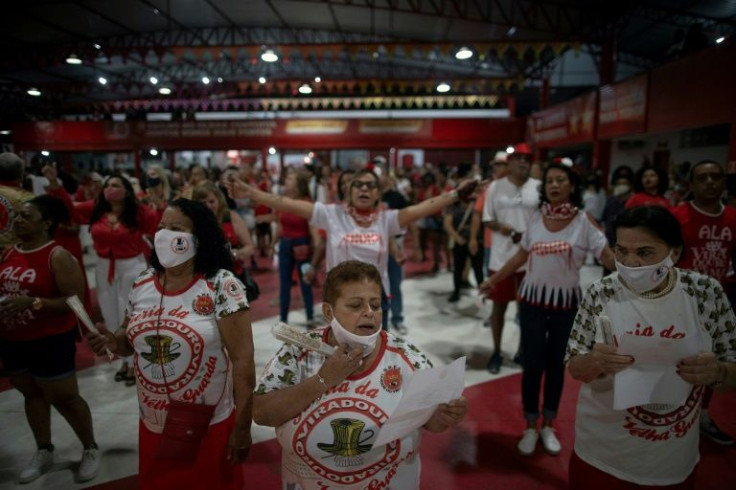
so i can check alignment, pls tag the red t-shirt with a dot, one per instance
(644, 199)
(709, 239)
(293, 226)
(260, 209)
(29, 273)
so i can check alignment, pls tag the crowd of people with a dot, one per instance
(173, 255)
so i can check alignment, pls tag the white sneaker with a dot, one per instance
(42, 461)
(549, 441)
(528, 442)
(90, 464)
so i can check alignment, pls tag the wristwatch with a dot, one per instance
(37, 304)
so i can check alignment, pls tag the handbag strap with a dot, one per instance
(160, 351)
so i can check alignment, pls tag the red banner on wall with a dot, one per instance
(623, 108)
(261, 133)
(568, 123)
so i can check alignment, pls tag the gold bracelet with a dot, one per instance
(322, 380)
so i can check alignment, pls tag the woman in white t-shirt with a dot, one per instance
(554, 247)
(637, 417)
(188, 329)
(328, 410)
(360, 228)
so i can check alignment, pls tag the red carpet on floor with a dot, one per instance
(481, 453)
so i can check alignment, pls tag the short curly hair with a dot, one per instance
(576, 195)
(348, 272)
(213, 251)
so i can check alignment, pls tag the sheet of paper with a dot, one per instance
(653, 377)
(426, 389)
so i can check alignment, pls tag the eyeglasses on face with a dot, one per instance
(361, 184)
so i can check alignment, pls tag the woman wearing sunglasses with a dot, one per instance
(358, 228)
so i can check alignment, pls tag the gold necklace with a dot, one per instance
(668, 287)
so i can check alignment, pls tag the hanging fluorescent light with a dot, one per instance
(45, 153)
(305, 89)
(73, 59)
(5, 132)
(153, 152)
(206, 80)
(153, 80)
(269, 56)
(102, 80)
(271, 150)
(720, 40)
(164, 90)
(261, 80)
(443, 87)
(464, 53)
(34, 92)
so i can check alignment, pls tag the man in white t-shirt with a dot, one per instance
(510, 202)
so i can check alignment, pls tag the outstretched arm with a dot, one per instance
(240, 190)
(433, 205)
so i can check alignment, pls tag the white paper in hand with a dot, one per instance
(653, 377)
(424, 391)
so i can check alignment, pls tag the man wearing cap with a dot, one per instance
(12, 195)
(509, 204)
(498, 170)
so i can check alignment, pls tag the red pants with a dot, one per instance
(584, 477)
(210, 471)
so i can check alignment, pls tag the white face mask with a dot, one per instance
(343, 336)
(174, 247)
(620, 190)
(647, 277)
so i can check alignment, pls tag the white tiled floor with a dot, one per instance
(442, 330)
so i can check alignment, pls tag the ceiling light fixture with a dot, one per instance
(305, 89)
(317, 79)
(206, 80)
(443, 87)
(73, 59)
(464, 53)
(164, 90)
(45, 153)
(509, 149)
(153, 152)
(720, 40)
(97, 46)
(271, 150)
(219, 80)
(511, 31)
(5, 132)
(153, 80)
(34, 92)
(261, 80)
(102, 80)
(269, 56)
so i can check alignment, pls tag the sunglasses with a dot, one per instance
(364, 184)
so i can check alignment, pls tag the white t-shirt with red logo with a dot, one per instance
(555, 257)
(653, 444)
(329, 445)
(189, 361)
(507, 203)
(710, 239)
(348, 241)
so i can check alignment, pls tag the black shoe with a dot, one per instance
(519, 359)
(710, 430)
(466, 285)
(454, 297)
(494, 364)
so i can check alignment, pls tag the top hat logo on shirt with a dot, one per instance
(391, 379)
(179, 245)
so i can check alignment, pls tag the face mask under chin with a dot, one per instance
(343, 336)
